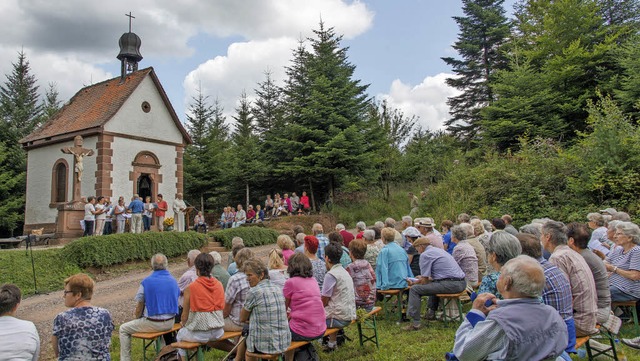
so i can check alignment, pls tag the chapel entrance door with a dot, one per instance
(145, 187)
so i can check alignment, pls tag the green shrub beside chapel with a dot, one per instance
(102, 251)
(252, 236)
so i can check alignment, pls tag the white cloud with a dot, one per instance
(427, 100)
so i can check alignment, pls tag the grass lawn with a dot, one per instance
(430, 343)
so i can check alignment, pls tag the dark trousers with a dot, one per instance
(88, 228)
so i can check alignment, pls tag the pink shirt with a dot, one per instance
(286, 253)
(307, 311)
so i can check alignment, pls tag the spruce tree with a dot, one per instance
(51, 104)
(483, 31)
(267, 108)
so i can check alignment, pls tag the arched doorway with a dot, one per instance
(145, 187)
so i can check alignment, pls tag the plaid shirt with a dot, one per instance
(236, 294)
(268, 325)
(557, 291)
(323, 241)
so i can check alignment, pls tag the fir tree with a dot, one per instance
(51, 104)
(266, 109)
(483, 31)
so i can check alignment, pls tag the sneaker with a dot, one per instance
(412, 327)
(632, 342)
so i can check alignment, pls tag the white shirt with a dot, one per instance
(100, 207)
(88, 216)
(20, 340)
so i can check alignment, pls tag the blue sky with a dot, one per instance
(224, 46)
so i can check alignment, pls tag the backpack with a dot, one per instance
(167, 353)
(306, 353)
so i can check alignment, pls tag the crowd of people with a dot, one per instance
(536, 289)
(233, 217)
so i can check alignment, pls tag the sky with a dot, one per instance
(224, 47)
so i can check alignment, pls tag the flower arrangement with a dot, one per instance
(168, 222)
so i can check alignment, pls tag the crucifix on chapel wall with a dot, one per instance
(78, 154)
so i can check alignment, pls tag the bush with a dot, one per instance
(252, 236)
(102, 251)
(51, 269)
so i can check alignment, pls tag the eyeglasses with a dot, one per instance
(65, 292)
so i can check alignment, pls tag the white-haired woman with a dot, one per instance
(501, 248)
(624, 263)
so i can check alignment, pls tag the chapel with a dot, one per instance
(131, 137)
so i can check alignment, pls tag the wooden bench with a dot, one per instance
(387, 302)
(369, 323)
(10, 242)
(150, 338)
(631, 305)
(199, 347)
(445, 300)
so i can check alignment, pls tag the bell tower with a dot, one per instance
(129, 55)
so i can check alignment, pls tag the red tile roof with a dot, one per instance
(94, 105)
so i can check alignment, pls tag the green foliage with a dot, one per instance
(252, 236)
(103, 251)
(51, 269)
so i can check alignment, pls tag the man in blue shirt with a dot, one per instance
(136, 207)
(157, 306)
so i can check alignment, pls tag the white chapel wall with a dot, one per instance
(40, 163)
(156, 124)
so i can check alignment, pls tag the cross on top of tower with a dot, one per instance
(130, 17)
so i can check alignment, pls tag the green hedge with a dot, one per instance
(102, 251)
(252, 236)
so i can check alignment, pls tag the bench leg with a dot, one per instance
(368, 324)
(592, 354)
(635, 319)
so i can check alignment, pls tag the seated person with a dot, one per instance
(83, 331)
(516, 328)
(392, 265)
(502, 247)
(233, 266)
(307, 319)
(20, 340)
(223, 223)
(363, 276)
(218, 271)
(236, 292)
(277, 268)
(338, 295)
(251, 214)
(202, 317)
(199, 223)
(266, 313)
(259, 215)
(439, 273)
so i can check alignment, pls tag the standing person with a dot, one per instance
(157, 305)
(84, 331)
(20, 340)
(147, 213)
(302, 297)
(583, 288)
(119, 211)
(266, 313)
(268, 204)
(202, 317)
(136, 207)
(241, 217)
(101, 216)
(415, 203)
(89, 216)
(179, 207)
(161, 211)
(304, 202)
(338, 295)
(108, 222)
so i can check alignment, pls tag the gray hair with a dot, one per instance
(458, 232)
(596, 218)
(407, 219)
(478, 227)
(527, 275)
(630, 229)
(217, 258)
(300, 238)
(468, 228)
(340, 227)
(361, 226)
(487, 225)
(159, 262)
(463, 218)
(621, 216)
(379, 224)
(612, 225)
(557, 231)
(504, 245)
(317, 228)
(532, 228)
(191, 256)
(236, 241)
(369, 235)
(390, 222)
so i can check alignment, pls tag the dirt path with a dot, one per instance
(115, 294)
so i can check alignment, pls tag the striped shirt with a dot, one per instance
(625, 261)
(236, 294)
(268, 325)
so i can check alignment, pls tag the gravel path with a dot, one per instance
(115, 294)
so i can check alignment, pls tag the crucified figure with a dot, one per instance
(78, 153)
